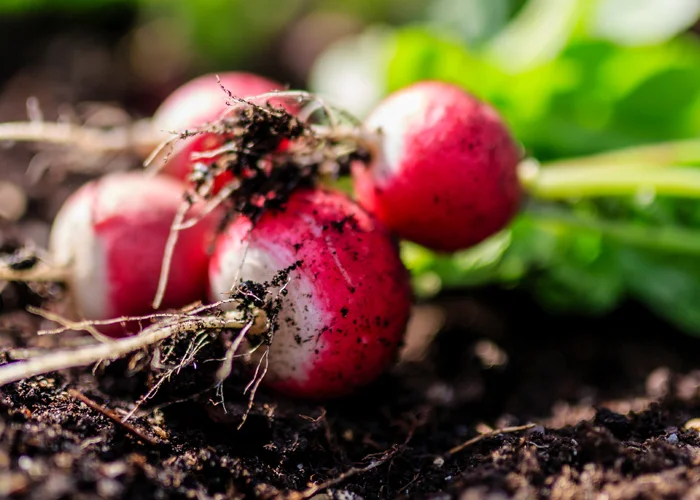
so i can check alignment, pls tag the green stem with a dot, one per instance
(665, 153)
(580, 181)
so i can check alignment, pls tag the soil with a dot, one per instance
(501, 400)
(612, 402)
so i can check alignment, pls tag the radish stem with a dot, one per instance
(37, 274)
(578, 181)
(136, 138)
(660, 154)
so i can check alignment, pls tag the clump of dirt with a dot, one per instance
(182, 366)
(267, 152)
(17, 295)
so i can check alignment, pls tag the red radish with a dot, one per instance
(111, 234)
(348, 301)
(200, 101)
(445, 174)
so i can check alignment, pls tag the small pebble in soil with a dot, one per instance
(13, 201)
(692, 424)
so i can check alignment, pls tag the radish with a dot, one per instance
(201, 101)
(444, 174)
(110, 236)
(347, 304)
(341, 301)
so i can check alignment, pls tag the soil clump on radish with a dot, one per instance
(269, 153)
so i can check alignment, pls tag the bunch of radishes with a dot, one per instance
(431, 164)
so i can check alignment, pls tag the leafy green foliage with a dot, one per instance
(582, 255)
(573, 260)
(594, 96)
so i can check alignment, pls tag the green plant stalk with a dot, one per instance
(654, 170)
(680, 152)
(575, 181)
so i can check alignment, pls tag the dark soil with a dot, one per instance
(611, 401)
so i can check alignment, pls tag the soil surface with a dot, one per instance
(499, 399)
(610, 403)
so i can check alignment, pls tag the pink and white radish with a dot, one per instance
(201, 101)
(445, 171)
(111, 236)
(347, 303)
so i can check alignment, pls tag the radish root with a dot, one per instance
(40, 273)
(84, 356)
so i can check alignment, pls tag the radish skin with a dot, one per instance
(445, 172)
(346, 305)
(111, 234)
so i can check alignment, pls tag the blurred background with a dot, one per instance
(571, 77)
